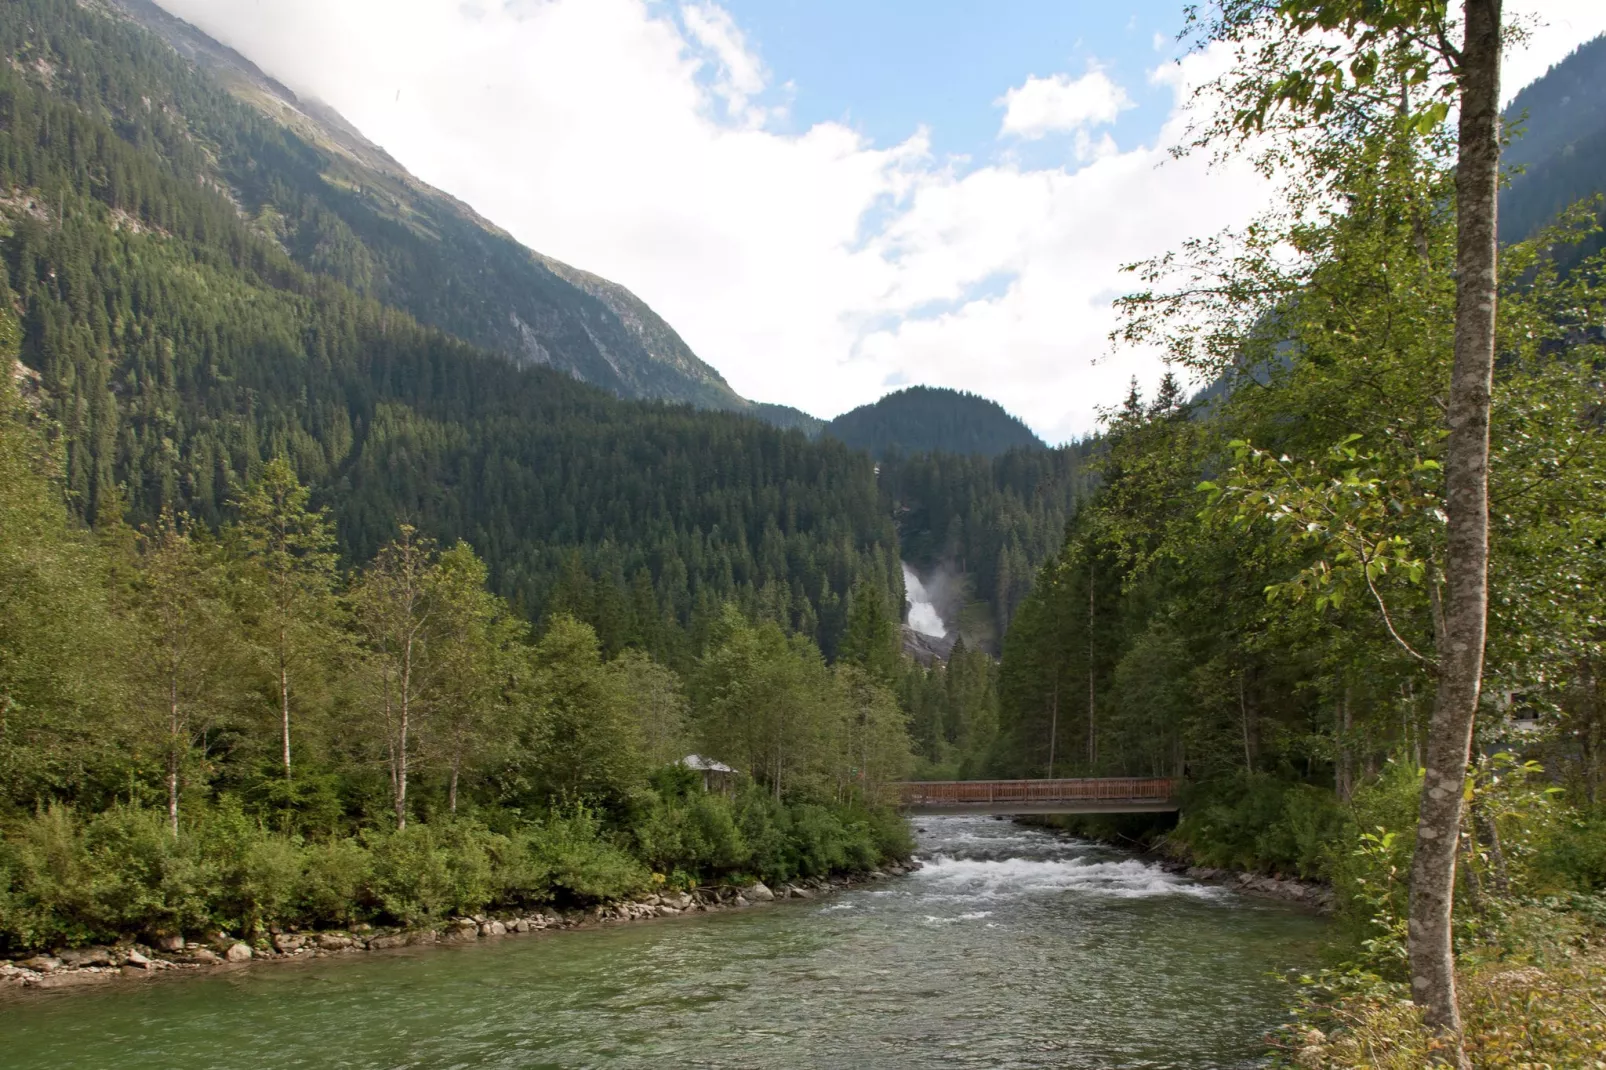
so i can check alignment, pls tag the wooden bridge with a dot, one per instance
(1086, 795)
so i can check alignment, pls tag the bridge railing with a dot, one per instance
(917, 793)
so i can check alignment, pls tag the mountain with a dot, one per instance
(925, 419)
(1561, 149)
(339, 205)
(186, 300)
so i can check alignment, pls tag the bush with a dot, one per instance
(698, 834)
(1573, 855)
(145, 879)
(254, 873)
(65, 880)
(410, 879)
(336, 878)
(579, 862)
(1258, 822)
(427, 872)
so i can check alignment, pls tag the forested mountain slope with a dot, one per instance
(923, 419)
(985, 525)
(339, 205)
(180, 340)
(1561, 150)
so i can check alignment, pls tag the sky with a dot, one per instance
(827, 199)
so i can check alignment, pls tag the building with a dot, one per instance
(717, 776)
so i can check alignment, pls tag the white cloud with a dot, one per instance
(1061, 104)
(632, 138)
(1555, 28)
(741, 76)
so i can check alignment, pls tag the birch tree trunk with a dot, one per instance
(284, 697)
(173, 727)
(1466, 475)
(401, 742)
(451, 791)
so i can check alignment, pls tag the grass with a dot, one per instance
(1543, 1010)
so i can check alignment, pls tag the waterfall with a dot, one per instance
(923, 616)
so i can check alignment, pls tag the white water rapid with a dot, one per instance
(923, 616)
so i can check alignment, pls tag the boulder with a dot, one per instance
(758, 892)
(138, 961)
(169, 942)
(497, 928)
(380, 943)
(88, 956)
(42, 964)
(238, 952)
(205, 956)
(74, 978)
(795, 892)
(289, 943)
(334, 941)
(665, 911)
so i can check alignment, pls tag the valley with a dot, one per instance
(364, 571)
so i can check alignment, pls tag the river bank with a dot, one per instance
(1317, 895)
(137, 961)
(1010, 948)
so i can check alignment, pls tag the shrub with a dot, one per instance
(254, 872)
(698, 834)
(146, 879)
(336, 877)
(412, 881)
(1258, 822)
(577, 861)
(1573, 855)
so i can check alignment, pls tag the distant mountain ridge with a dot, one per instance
(927, 419)
(1562, 146)
(351, 211)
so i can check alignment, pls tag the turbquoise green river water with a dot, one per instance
(1013, 947)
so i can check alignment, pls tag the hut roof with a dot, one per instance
(707, 765)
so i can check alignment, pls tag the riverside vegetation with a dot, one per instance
(1256, 598)
(235, 687)
(222, 730)
(450, 678)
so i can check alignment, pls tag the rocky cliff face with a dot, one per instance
(927, 649)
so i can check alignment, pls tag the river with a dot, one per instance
(1013, 947)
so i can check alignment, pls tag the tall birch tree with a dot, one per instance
(1326, 73)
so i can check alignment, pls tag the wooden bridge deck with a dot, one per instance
(1082, 795)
